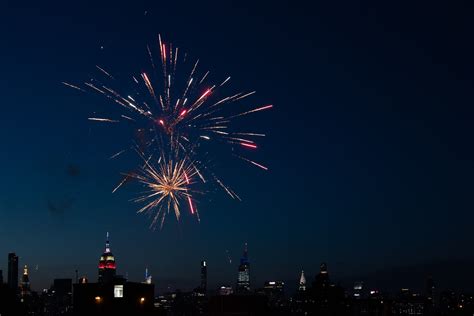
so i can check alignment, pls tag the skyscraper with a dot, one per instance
(25, 282)
(203, 277)
(107, 264)
(431, 292)
(274, 291)
(148, 277)
(63, 296)
(13, 271)
(322, 279)
(302, 286)
(243, 278)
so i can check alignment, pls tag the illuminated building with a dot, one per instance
(226, 290)
(203, 277)
(302, 285)
(322, 279)
(243, 278)
(25, 282)
(13, 271)
(274, 291)
(408, 303)
(117, 297)
(358, 288)
(112, 294)
(147, 277)
(83, 280)
(107, 267)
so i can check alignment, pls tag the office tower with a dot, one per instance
(358, 289)
(13, 271)
(203, 276)
(25, 282)
(302, 285)
(322, 279)
(274, 291)
(243, 278)
(63, 295)
(431, 292)
(107, 268)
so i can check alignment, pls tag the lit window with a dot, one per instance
(118, 291)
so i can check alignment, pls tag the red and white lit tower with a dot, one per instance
(107, 268)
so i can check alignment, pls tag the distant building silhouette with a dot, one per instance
(358, 290)
(25, 282)
(107, 267)
(326, 298)
(243, 278)
(226, 290)
(13, 271)
(447, 302)
(148, 277)
(1, 277)
(275, 292)
(238, 305)
(431, 292)
(322, 279)
(408, 303)
(83, 280)
(204, 277)
(63, 295)
(117, 297)
(10, 304)
(302, 284)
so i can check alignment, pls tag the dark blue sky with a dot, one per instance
(369, 147)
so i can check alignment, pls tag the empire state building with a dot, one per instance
(107, 268)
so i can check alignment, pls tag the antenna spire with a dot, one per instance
(107, 243)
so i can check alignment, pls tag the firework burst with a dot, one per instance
(167, 184)
(177, 108)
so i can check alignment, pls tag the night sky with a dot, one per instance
(369, 145)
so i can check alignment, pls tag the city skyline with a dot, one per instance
(368, 145)
(241, 280)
